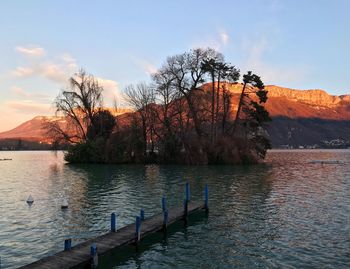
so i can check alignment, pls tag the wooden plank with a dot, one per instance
(79, 255)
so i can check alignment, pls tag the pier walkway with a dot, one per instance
(86, 254)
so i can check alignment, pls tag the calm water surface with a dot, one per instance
(286, 213)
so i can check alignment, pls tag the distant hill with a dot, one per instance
(306, 118)
(301, 118)
(31, 130)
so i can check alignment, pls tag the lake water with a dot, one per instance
(285, 213)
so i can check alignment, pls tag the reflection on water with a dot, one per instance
(287, 212)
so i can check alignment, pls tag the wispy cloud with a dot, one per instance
(31, 51)
(25, 107)
(58, 70)
(69, 61)
(23, 71)
(54, 68)
(217, 41)
(147, 66)
(21, 93)
(256, 51)
(224, 37)
(55, 72)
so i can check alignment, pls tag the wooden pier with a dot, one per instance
(86, 253)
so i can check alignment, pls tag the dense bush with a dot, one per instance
(87, 152)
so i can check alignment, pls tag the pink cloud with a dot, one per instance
(31, 51)
(25, 107)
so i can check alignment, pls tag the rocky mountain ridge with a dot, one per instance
(300, 117)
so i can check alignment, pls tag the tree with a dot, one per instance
(251, 105)
(185, 74)
(256, 86)
(140, 97)
(167, 98)
(80, 106)
(218, 71)
(103, 124)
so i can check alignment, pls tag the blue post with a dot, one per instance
(138, 229)
(93, 256)
(187, 191)
(142, 214)
(165, 219)
(185, 210)
(67, 244)
(206, 198)
(113, 222)
(164, 204)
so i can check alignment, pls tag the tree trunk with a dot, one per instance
(240, 103)
(144, 134)
(194, 115)
(212, 108)
(217, 105)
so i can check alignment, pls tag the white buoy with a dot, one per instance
(64, 204)
(30, 200)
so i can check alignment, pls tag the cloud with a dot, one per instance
(146, 65)
(70, 62)
(111, 90)
(217, 41)
(25, 107)
(31, 51)
(54, 72)
(23, 71)
(224, 37)
(256, 51)
(24, 94)
(57, 71)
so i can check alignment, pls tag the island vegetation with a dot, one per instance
(186, 115)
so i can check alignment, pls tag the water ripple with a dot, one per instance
(289, 212)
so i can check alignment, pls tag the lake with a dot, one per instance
(289, 212)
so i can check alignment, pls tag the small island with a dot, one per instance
(186, 115)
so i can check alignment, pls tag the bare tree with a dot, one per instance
(78, 105)
(141, 97)
(186, 75)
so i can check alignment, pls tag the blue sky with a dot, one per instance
(296, 44)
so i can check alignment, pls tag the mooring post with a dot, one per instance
(165, 219)
(187, 199)
(94, 256)
(164, 204)
(68, 244)
(138, 229)
(142, 214)
(206, 198)
(185, 210)
(187, 191)
(113, 223)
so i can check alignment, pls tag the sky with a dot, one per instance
(301, 44)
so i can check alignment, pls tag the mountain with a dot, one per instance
(31, 130)
(33, 135)
(305, 118)
(301, 118)
(308, 118)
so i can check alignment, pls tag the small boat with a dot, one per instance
(5, 159)
(64, 204)
(30, 200)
